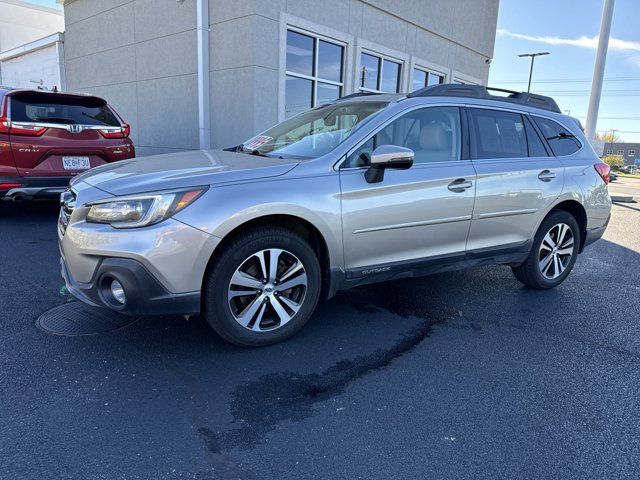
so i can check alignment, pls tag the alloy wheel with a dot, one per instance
(556, 250)
(267, 290)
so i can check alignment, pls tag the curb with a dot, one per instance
(622, 198)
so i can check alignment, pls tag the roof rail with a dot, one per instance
(358, 94)
(480, 91)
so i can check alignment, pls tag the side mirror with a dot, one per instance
(387, 156)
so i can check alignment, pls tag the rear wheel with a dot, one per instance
(263, 287)
(553, 253)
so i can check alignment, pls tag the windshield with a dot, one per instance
(313, 133)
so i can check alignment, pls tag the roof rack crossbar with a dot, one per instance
(480, 91)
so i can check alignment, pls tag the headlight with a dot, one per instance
(142, 210)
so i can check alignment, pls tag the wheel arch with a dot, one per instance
(297, 225)
(577, 210)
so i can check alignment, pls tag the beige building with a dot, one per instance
(192, 73)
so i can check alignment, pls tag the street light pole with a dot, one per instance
(533, 56)
(598, 70)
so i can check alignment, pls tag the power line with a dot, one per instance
(570, 80)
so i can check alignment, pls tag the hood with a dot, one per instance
(184, 169)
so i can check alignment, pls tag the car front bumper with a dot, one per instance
(160, 267)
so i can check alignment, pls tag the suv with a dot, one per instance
(367, 188)
(46, 138)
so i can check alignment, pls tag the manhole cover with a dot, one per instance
(77, 318)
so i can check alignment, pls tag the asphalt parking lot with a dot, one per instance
(457, 375)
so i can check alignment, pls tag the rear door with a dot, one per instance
(61, 135)
(518, 180)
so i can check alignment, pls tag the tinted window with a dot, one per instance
(299, 53)
(561, 140)
(369, 73)
(432, 133)
(419, 79)
(330, 61)
(297, 95)
(390, 80)
(314, 72)
(536, 147)
(498, 134)
(35, 107)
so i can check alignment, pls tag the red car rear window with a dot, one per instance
(38, 107)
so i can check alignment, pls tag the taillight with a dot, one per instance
(26, 130)
(604, 171)
(122, 132)
(29, 130)
(9, 186)
(4, 125)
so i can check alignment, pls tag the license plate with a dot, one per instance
(76, 163)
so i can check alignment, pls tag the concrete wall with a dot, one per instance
(22, 22)
(141, 55)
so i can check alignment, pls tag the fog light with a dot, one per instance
(118, 292)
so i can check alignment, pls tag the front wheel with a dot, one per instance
(263, 287)
(553, 253)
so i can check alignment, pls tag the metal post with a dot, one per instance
(598, 70)
(204, 109)
(533, 57)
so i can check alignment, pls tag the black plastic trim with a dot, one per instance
(513, 254)
(144, 293)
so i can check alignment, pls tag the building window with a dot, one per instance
(620, 152)
(632, 153)
(314, 72)
(609, 152)
(379, 74)
(422, 78)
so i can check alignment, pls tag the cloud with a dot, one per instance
(583, 41)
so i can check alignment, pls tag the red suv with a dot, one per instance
(46, 138)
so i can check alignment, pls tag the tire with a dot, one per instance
(234, 293)
(548, 264)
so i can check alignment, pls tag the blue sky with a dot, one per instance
(47, 3)
(568, 29)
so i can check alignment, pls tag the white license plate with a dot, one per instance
(76, 163)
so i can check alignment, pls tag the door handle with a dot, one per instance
(546, 175)
(459, 185)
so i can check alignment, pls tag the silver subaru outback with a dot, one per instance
(368, 188)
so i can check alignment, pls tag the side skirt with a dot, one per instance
(509, 255)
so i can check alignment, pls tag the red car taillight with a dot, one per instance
(29, 130)
(9, 186)
(122, 132)
(604, 171)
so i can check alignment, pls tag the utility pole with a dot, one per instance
(533, 56)
(598, 70)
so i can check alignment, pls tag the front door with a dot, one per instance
(413, 215)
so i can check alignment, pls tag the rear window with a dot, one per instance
(561, 140)
(61, 109)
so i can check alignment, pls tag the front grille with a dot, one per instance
(67, 204)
